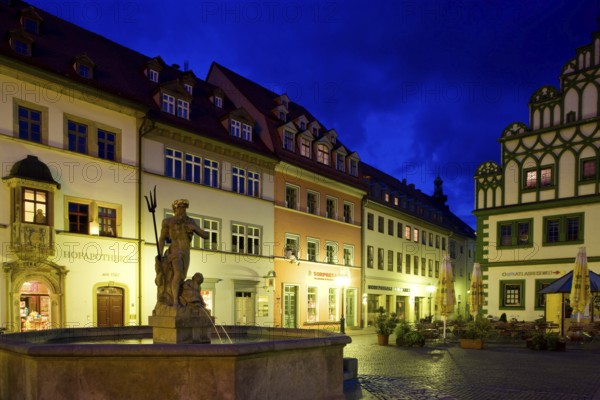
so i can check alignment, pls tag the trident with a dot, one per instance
(152, 208)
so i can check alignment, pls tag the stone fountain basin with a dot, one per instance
(277, 363)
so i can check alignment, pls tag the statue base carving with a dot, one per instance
(188, 324)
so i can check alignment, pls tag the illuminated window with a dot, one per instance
(323, 154)
(312, 250)
(312, 306)
(512, 293)
(107, 221)
(380, 258)
(390, 260)
(589, 169)
(348, 255)
(35, 206)
(305, 147)
(398, 262)
(370, 256)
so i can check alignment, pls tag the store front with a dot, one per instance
(34, 306)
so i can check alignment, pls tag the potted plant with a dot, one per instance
(406, 335)
(475, 333)
(384, 326)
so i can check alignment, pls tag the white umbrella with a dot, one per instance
(580, 287)
(476, 291)
(445, 297)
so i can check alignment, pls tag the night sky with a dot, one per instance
(415, 87)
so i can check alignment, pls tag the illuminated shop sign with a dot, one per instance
(388, 288)
(532, 273)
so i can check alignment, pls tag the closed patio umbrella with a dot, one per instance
(445, 297)
(476, 291)
(580, 289)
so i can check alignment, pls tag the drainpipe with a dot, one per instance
(363, 272)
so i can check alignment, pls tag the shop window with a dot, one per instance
(312, 305)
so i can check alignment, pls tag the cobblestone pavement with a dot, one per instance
(445, 371)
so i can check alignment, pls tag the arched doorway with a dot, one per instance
(110, 306)
(34, 306)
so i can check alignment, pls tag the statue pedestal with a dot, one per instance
(181, 325)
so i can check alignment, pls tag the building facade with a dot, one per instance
(540, 205)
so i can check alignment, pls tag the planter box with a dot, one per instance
(383, 340)
(471, 344)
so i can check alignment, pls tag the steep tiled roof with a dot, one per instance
(380, 183)
(264, 100)
(118, 70)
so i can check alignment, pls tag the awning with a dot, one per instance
(563, 284)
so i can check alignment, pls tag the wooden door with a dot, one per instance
(110, 306)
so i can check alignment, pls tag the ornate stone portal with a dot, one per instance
(180, 314)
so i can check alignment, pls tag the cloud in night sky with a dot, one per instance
(415, 87)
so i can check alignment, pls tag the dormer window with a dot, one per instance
(282, 116)
(152, 75)
(84, 66)
(323, 154)
(218, 101)
(183, 109)
(31, 25)
(241, 130)
(21, 42)
(188, 88)
(31, 20)
(288, 140)
(168, 103)
(340, 162)
(353, 167)
(305, 147)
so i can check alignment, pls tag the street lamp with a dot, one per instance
(343, 280)
(430, 289)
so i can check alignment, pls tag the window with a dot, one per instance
(188, 88)
(246, 132)
(312, 305)
(168, 104)
(380, 258)
(312, 250)
(312, 203)
(292, 247)
(423, 266)
(370, 256)
(218, 102)
(245, 239)
(35, 206)
(107, 142)
(236, 128)
(430, 269)
(398, 262)
(437, 269)
(78, 218)
(452, 250)
(380, 224)
(348, 255)
(430, 239)
(416, 265)
(31, 25)
(390, 227)
(238, 183)
(348, 212)
(443, 243)
(173, 163)
(399, 229)
(183, 109)
(333, 300)
(540, 298)
(291, 197)
(196, 242)
(353, 167)
(212, 228)
(21, 47)
(340, 162)
(437, 241)
(211, 173)
(253, 184)
(423, 237)
(30, 124)
(77, 137)
(331, 252)
(331, 208)
(515, 233)
(305, 147)
(370, 221)
(288, 141)
(512, 294)
(153, 75)
(85, 71)
(323, 154)
(563, 229)
(416, 235)
(107, 221)
(193, 167)
(390, 261)
(407, 232)
(542, 177)
(589, 170)
(408, 263)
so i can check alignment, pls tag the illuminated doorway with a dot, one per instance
(110, 306)
(34, 306)
(290, 298)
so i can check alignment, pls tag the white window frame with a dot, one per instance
(153, 75)
(340, 162)
(348, 255)
(246, 132)
(316, 243)
(353, 168)
(331, 252)
(296, 189)
(291, 248)
(316, 210)
(238, 178)
(195, 162)
(253, 184)
(289, 142)
(211, 226)
(350, 207)
(183, 109)
(168, 103)
(210, 170)
(236, 128)
(334, 202)
(176, 159)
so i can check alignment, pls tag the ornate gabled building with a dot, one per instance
(317, 201)
(406, 235)
(541, 204)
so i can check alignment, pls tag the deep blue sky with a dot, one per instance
(415, 87)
